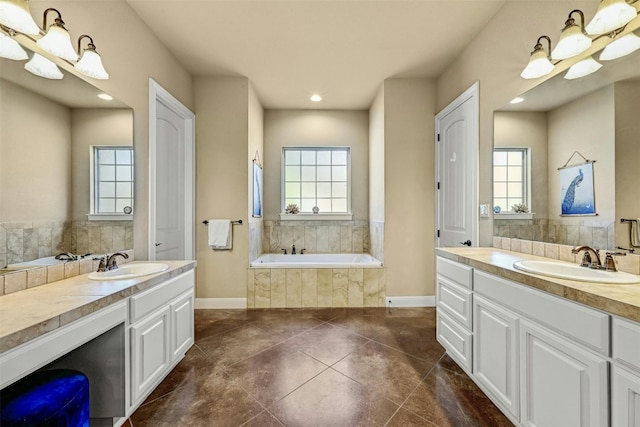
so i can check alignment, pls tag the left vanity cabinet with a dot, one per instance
(161, 331)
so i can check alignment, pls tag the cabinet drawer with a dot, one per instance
(583, 324)
(455, 339)
(626, 342)
(146, 302)
(458, 273)
(455, 300)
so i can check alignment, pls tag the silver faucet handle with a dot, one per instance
(102, 266)
(609, 263)
(302, 251)
(586, 259)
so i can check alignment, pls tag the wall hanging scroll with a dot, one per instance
(576, 188)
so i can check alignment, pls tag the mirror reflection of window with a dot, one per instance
(112, 180)
(510, 178)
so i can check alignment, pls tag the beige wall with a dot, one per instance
(255, 151)
(35, 156)
(627, 153)
(131, 54)
(93, 126)
(496, 58)
(376, 157)
(301, 128)
(585, 125)
(526, 129)
(222, 185)
(409, 153)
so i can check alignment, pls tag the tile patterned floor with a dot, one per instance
(321, 367)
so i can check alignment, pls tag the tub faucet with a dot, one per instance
(587, 261)
(111, 261)
(293, 249)
(284, 250)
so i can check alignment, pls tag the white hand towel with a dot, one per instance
(635, 232)
(220, 234)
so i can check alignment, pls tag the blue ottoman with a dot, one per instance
(54, 398)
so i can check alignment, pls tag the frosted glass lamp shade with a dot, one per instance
(611, 14)
(10, 49)
(582, 68)
(15, 14)
(58, 42)
(621, 47)
(41, 66)
(91, 65)
(572, 42)
(539, 65)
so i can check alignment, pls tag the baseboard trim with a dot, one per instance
(417, 301)
(218, 303)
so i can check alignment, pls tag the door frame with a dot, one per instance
(473, 94)
(159, 94)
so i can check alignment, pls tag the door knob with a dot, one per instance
(467, 243)
(158, 244)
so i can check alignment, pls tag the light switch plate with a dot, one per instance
(484, 211)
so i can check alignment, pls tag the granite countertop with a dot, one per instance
(28, 314)
(619, 300)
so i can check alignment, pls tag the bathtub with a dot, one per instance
(316, 261)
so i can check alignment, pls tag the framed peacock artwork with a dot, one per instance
(577, 190)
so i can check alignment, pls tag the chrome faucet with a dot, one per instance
(293, 249)
(587, 260)
(111, 261)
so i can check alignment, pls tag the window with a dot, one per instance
(510, 177)
(112, 181)
(318, 176)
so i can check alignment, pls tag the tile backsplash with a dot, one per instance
(599, 233)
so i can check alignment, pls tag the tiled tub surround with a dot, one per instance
(629, 263)
(33, 277)
(597, 233)
(26, 241)
(316, 287)
(316, 236)
(619, 300)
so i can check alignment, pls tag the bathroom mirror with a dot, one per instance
(595, 116)
(47, 130)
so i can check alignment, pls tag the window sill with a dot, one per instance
(109, 217)
(513, 215)
(316, 217)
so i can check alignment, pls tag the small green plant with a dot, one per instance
(292, 208)
(520, 208)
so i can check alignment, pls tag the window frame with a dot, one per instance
(348, 215)
(526, 176)
(94, 182)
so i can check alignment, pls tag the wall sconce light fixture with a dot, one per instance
(11, 49)
(90, 64)
(611, 14)
(539, 64)
(15, 14)
(573, 40)
(618, 48)
(42, 67)
(57, 41)
(583, 68)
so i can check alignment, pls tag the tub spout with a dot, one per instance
(293, 249)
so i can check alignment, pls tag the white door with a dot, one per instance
(171, 177)
(456, 171)
(169, 184)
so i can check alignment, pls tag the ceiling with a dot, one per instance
(340, 49)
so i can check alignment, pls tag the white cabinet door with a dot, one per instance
(561, 384)
(182, 336)
(495, 355)
(149, 353)
(625, 398)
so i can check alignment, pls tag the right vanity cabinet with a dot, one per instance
(542, 359)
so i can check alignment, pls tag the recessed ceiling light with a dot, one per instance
(316, 98)
(105, 97)
(517, 100)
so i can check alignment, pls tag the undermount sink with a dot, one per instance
(575, 272)
(129, 271)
